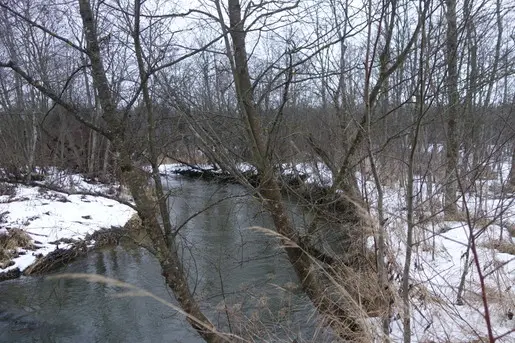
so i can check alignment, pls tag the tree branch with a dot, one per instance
(73, 110)
(42, 28)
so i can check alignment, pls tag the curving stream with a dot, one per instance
(224, 260)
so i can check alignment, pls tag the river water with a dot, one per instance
(224, 258)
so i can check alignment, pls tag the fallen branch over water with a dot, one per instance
(62, 256)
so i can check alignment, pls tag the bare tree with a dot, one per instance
(452, 147)
(162, 239)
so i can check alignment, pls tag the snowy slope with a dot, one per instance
(48, 216)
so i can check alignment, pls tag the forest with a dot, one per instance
(388, 123)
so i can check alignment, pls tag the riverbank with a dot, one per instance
(58, 225)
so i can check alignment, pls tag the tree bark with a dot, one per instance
(163, 246)
(269, 188)
(451, 168)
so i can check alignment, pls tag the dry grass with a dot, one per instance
(459, 216)
(500, 297)
(5, 257)
(501, 246)
(364, 287)
(446, 340)
(128, 290)
(352, 289)
(7, 189)
(481, 222)
(16, 238)
(137, 232)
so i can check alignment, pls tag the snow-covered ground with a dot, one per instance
(438, 261)
(437, 267)
(48, 216)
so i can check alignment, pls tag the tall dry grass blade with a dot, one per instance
(356, 307)
(138, 292)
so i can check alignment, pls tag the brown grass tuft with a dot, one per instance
(501, 246)
(511, 230)
(15, 238)
(364, 287)
(459, 216)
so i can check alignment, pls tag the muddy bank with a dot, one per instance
(74, 249)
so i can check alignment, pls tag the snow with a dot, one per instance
(438, 147)
(441, 277)
(435, 315)
(175, 168)
(172, 168)
(75, 182)
(317, 173)
(246, 168)
(48, 216)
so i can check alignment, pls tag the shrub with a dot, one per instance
(7, 189)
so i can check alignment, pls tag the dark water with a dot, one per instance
(224, 259)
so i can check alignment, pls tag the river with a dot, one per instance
(224, 259)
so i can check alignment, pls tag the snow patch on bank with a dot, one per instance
(438, 261)
(48, 216)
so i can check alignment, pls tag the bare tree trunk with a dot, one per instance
(165, 250)
(269, 189)
(105, 163)
(32, 140)
(473, 122)
(466, 266)
(410, 196)
(511, 177)
(451, 168)
(93, 136)
(33, 143)
(498, 44)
